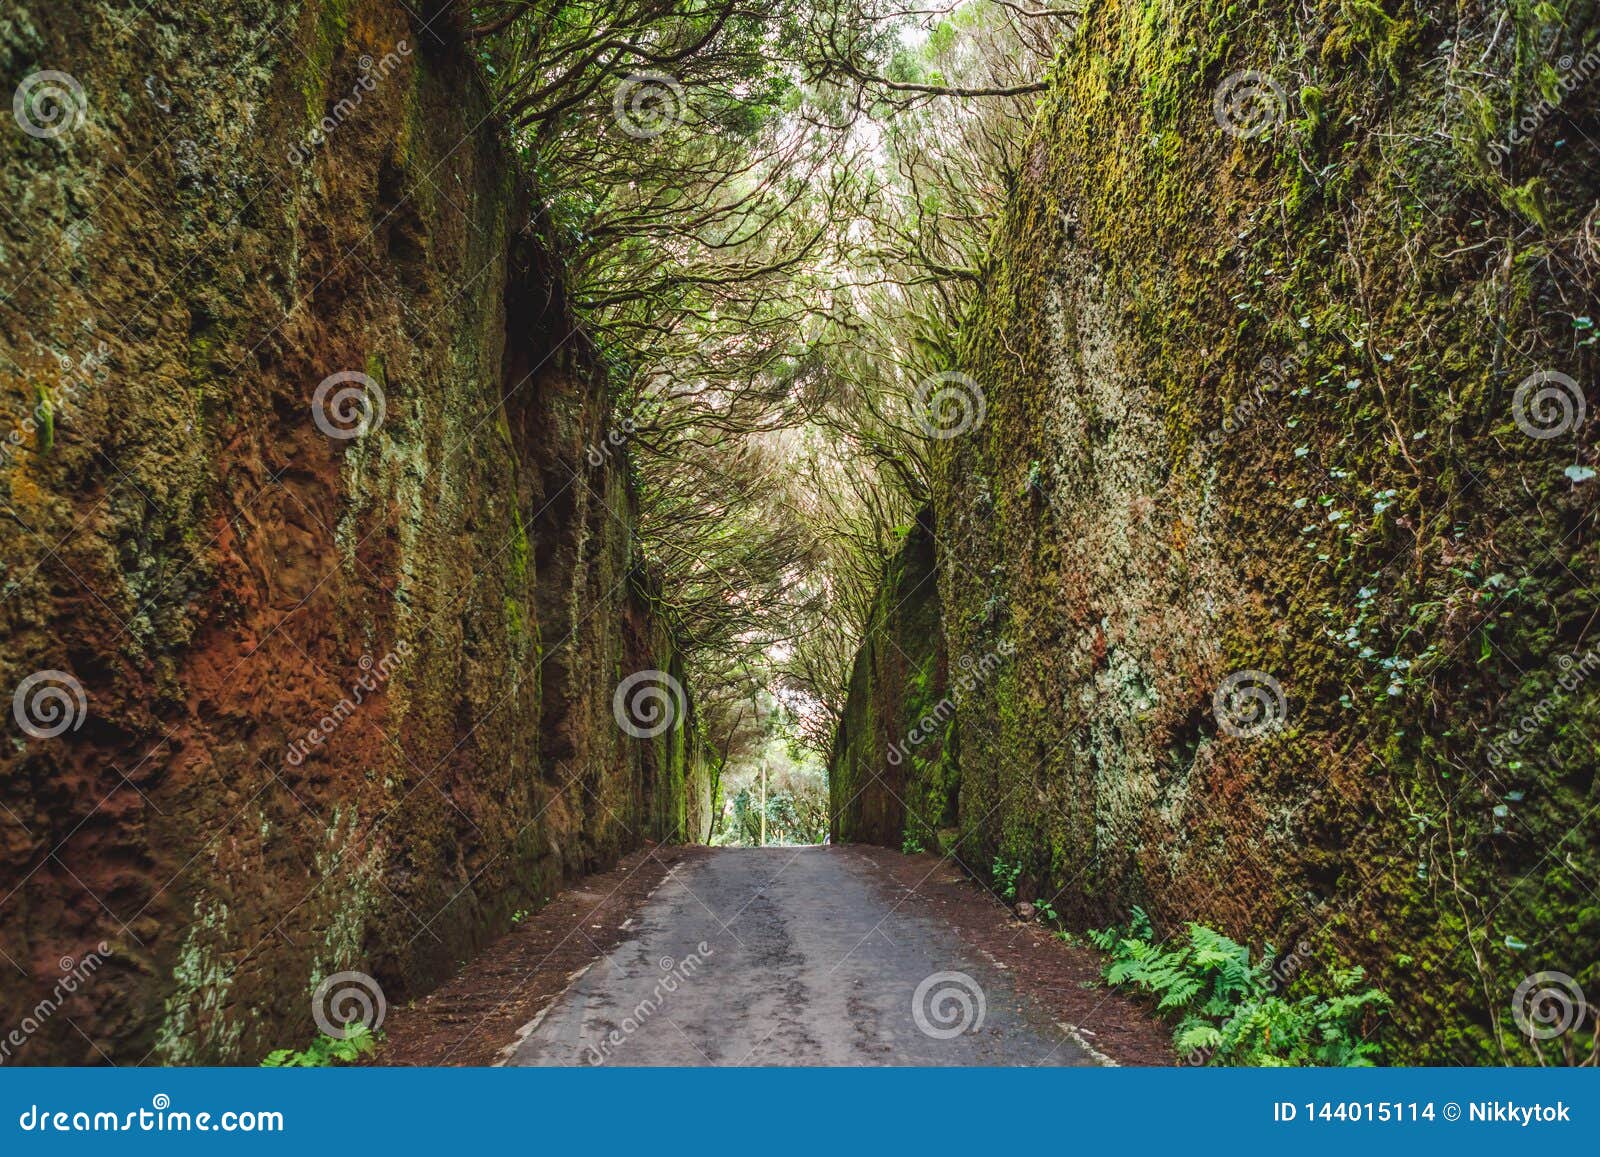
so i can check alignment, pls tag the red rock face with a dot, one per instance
(346, 659)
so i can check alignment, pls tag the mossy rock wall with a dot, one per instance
(182, 269)
(1261, 412)
(892, 754)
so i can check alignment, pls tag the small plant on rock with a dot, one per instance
(1005, 877)
(326, 1050)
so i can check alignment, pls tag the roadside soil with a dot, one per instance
(1062, 977)
(476, 1014)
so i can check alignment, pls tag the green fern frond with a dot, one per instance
(1228, 1003)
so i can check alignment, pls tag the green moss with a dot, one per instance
(1208, 515)
(1529, 200)
(889, 777)
(521, 549)
(44, 435)
(1363, 33)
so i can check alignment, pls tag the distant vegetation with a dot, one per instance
(796, 787)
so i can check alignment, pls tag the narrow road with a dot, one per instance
(791, 956)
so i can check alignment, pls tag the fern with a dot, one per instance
(1139, 923)
(1179, 993)
(326, 1050)
(1104, 939)
(1196, 1035)
(1225, 1006)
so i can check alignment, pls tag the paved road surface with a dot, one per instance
(791, 956)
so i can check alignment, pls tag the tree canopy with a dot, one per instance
(771, 218)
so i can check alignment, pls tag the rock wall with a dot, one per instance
(336, 658)
(889, 754)
(1284, 499)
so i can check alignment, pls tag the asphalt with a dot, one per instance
(791, 956)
